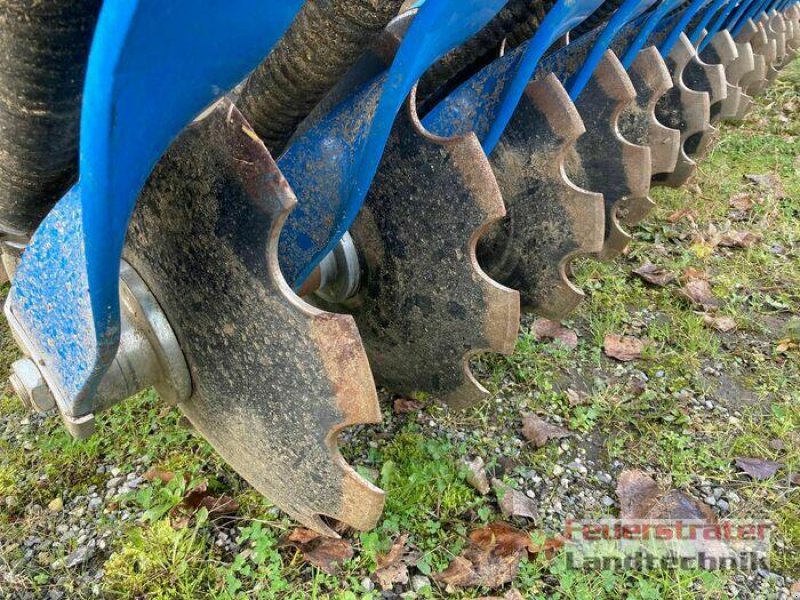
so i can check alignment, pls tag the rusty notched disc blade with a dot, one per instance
(723, 51)
(764, 51)
(425, 306)
(638, 123)
(274, 379)
(550, 220)
(744, 64)
(683, 109)
(604, 161)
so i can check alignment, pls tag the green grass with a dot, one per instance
(416, 458)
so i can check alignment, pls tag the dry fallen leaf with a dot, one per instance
(654, 275)
(539, 432)
(637, 493)
(199, 497)
(758, 468)
(545, 329)
(327, 554)
(490, 560)
(743, 201)
(402, 406)
(514, 503)
(476, 475)
(577, 398)
(393, 566)
(739, 239)
(794, 478)
(723, 324)
(770, 183)
(623, 348)
(680, 214)
(162, 476)
(698, 292)
(641, 498)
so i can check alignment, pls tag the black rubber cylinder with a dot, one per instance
(44, 48)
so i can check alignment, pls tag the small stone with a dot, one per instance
(603, 477)
(607, 501)
(719, 492)
(11, 501)
(79, 556)
(710, 500)
(723, 505)
(419, 582)
(95, 504)
(558, 470)
(367, 584)
(56, 505)
(115, 472)
(113, 482)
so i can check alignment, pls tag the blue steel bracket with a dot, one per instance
(153, 66)
(331, 165)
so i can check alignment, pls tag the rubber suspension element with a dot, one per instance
(324, 41)
(44, 48)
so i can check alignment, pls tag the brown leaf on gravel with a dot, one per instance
(654, 275)
(577, 398)
(623, 348)
(637, 493)
(539, 432)
(327, 554)
(476, 475)
(393, 566)
(698, 292)
(743, 201)
(641, 498)
(514, 503)
(403, 406)
(691, 273)
(739, 239)
(162, 476)
(545, 329)
(795, 589)
(197, 498)
(770, 183)
(490, 560)
(758, 468)
(723, 324)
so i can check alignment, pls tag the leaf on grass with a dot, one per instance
(491, 558)
(794, 478)
(680, 214)
(739, 239)
(476, 475)
(162, 476)
(698, 292)
(327, 554)
(723, 324)
(539, 432)
(623, 348)
(641, 498)
(514, 503)
(577, 398)
(406, 405)
(770, 183)
(743, 201)
(545, 329)
(511, 594)
(393, 566)
(654, 275)
(758, 468)
(197, 498)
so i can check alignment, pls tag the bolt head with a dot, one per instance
(30, 386)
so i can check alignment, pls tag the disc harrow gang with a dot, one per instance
(264, 217)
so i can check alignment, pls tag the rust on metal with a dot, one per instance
(550, 220)
(604, 161)
(274, 379)
(639, 124)
(425, 306)
(683, 109)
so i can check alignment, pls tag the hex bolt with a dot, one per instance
(30, 386)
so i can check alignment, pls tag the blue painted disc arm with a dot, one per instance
(153, 66)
